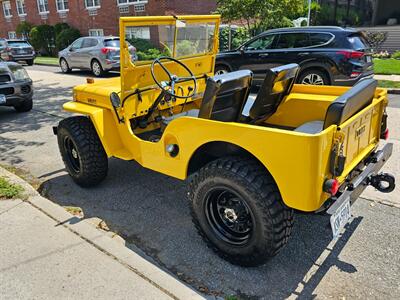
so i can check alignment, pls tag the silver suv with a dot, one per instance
(99, 54)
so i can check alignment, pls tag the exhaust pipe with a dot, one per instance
(383, 182)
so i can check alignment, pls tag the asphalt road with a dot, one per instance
(150, 212)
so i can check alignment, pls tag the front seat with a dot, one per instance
(277, 85)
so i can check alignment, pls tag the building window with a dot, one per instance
(96, 32)
(139, 8)
(137, 32)
(124, 9)
(43, 6)
(62, 5)
(12, 35)
(21, 7)
(7, 9)
(92, 3)
(130, 2)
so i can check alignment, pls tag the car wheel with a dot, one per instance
(238, 211)
(81, 150)
(29, 62)
(219, 70)
(64, 66)
(313, 77)
(25, 106)
(97, 69)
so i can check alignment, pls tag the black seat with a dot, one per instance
(277, 84)
(344, 107)
(225, 96)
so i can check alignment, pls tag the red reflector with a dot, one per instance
(355, 74)
(351, 54)
(386, 134)
(331, 186)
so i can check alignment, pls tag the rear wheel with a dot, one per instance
(313, 77)
(29, 62)
(64, 66)
(24, 106)
(97, 69)
(81, 150)
(238, 211)
(219, 70)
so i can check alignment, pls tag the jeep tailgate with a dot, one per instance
(361, 133)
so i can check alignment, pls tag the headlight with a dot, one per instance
(20, 74)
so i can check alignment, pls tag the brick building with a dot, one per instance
(92, 17)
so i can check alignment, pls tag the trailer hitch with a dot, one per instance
(383, 182)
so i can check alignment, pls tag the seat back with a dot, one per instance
(351, 102)
(225, 96)
(277, 84)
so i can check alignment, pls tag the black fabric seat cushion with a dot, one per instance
(351, 102)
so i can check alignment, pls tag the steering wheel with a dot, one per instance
(173, 79)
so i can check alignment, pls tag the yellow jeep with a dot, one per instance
(250, 160)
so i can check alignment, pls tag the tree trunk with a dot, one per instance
(335, 11)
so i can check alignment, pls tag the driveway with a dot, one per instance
(151, 213)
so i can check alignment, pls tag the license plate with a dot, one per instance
(2, 99)
(340, 218)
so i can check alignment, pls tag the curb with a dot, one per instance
(159, 278)
(44, 64)
(394, 91)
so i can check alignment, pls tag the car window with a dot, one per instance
(357, 42)
(318, 39)
(112, 43)
(18, 44)
(77, 44)
(293, 40)
(89, 42)
(261, 43)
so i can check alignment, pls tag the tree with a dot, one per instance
(66, 37)
(259, 15)
(24, 28)
(42, 38)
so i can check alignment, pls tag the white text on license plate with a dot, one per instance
(2, 99)
(340, 218)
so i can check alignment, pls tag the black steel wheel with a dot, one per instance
(81, 150)
(238, 211)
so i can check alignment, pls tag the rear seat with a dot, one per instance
(344, 107)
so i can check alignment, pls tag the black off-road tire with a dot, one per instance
(273, 221)
(92, 162)
(24, 106)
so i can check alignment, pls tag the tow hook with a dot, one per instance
(383, 182)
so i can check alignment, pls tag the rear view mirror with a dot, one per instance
(115, 100)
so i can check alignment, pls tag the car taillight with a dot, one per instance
(331, 186)
(386, 134)
(355, 74)
(105, 50)
(351, 54)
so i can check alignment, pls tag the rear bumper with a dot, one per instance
(357, 185)
(351, 81)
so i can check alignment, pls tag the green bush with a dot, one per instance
(238, 37)
(66, 37)
(396, 54)
(24, 28)
(59, 27)
(150, 54)
(43, 38)
(185, 47)
(141, 45)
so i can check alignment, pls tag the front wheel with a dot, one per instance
(81, 150)
(238, 211)
(24, 106)
(29, 62)
(64, 66)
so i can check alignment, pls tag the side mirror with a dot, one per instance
(115, 100)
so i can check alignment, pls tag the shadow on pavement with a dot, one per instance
(150, 211)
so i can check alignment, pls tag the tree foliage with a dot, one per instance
(66, 37)
(260, 15)
(24, 28)
(376, 39)
(42, 38)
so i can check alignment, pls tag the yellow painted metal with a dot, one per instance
(298, 162)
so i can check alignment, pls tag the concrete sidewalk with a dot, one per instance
(47, 253)
(387, 77)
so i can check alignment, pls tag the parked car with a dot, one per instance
(326, 55)
(17, 50)
(15, 87)
(99, 54)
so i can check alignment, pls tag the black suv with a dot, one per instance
(326, 55)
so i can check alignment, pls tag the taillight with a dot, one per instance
(351, 54)
(355, 74)
(105, 50)
(386, 134)
(331, 186)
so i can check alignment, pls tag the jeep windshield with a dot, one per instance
(178, 39)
